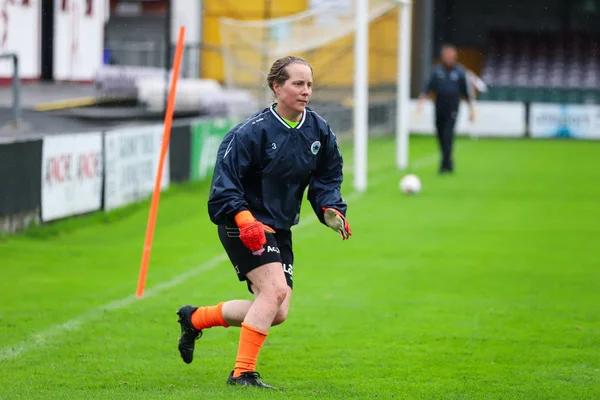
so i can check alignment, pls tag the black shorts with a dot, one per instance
(277, 249)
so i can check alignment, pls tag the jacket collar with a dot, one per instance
(278, 117)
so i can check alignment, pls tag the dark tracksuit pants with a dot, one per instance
(446, 112)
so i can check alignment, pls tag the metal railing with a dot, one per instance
(152, 54)
(16, 86)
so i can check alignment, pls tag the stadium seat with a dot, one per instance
(550, 67)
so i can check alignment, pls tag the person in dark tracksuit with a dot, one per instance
(449, 82)
(262, 170)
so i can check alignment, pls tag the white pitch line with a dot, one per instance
(41, 338)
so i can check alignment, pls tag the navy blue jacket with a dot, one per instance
(264, 166)
(449, 85)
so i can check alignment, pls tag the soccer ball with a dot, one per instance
(410, 184)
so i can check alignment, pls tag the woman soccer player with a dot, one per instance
(262, 170)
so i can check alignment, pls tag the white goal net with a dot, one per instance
(324, 37)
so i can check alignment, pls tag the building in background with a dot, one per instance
(54, 40)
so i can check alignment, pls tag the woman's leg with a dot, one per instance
(283, 309)
(272, 290)
(234, 311)
(230, 313)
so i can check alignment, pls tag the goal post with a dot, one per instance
(361, 92)
(403, 83)
(361, 95)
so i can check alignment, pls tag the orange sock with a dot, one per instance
(251, 341)
(207, 317)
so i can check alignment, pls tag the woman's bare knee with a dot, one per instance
(270, 284)
(268, 281)
(276, 294)
(284, 308)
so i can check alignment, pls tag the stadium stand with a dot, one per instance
(553, 67)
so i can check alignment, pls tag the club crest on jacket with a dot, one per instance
(315, 147)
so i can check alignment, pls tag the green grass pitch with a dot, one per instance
(484, 286)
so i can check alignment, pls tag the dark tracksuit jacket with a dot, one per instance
(264, 166)
(448, 85)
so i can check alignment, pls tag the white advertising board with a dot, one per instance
(580, 121)
(71, 174)
(493, 119)
(131, 164)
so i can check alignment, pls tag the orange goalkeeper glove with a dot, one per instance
(336, 221)
(252, 232)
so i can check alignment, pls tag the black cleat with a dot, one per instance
(189, 334)
(248, 379)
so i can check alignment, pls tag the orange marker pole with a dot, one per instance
(163, 154)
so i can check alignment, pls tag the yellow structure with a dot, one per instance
(212, 61)
(333, 63)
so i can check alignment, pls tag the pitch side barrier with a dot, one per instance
(20, 184)
(516, 119)
(58, 176)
